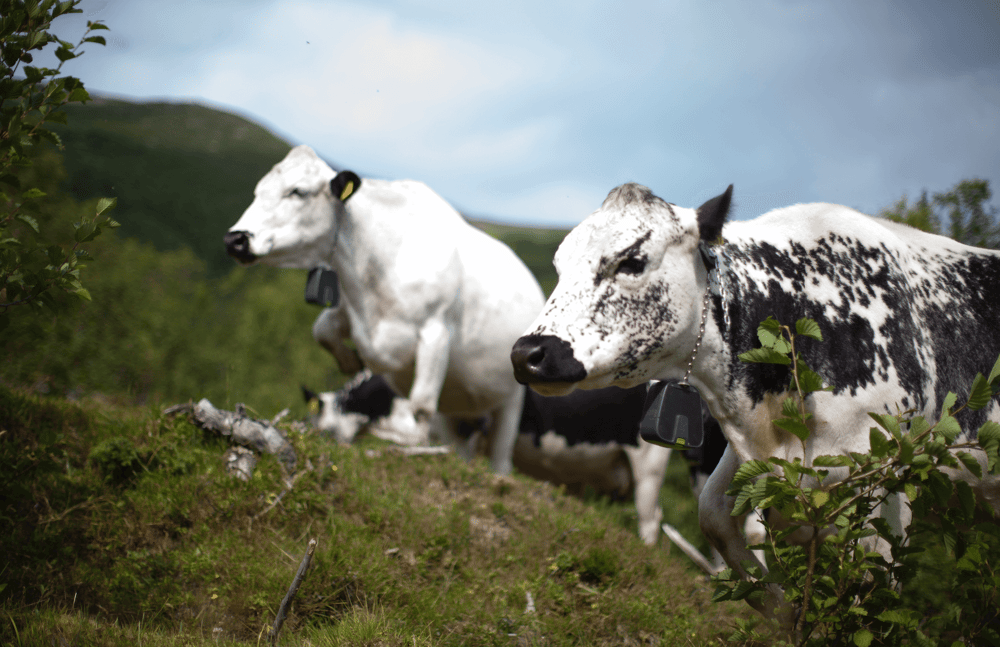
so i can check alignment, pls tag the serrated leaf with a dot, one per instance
(33, 193)
(794, 427)
(911, 491)
(770, 335)
(83, 293)
(810, 381)
(989, 431)
(879, 443)
(104, 204)
(790, 407)
(820, 498)
(980, 393)
(764, 356)
(95, 39)
(750, 470)
(831, 461)
(862, 638)
(808, 328)
(949, 403)
(995, 373)
(966, 496)
(887, 422)
(28, 220)
(64, 54)
(948, 427)
(971, 463)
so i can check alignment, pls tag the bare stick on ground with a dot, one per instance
(292, 590)
(693, 553)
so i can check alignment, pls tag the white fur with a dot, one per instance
(431, 303)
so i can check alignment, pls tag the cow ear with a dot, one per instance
(712, 215)
(308, 395)
(344, 185)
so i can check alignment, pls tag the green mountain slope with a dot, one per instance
(182, 173)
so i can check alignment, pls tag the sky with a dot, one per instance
(530, 111)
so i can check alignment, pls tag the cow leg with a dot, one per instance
(649, 467)
(724, 533)
(503, 433)
(330, 330)
(430, 369)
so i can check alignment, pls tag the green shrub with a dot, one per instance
(843, 590)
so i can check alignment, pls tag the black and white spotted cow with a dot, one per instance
(586, 438)
(905, 316)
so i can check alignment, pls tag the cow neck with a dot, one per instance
(715, 263)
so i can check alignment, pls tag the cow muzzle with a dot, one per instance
(545, 359)
(238, 246)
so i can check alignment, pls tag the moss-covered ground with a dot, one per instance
(121, 526)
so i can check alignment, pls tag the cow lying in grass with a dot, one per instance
(906, 317)
(584, 439)
(431, 303)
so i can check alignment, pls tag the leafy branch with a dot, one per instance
(31, 98)
(845, 580)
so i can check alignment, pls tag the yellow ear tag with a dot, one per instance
(348, 190)
(313, 406)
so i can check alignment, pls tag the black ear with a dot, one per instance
(712, 215)
(344, 185)
(308, 395)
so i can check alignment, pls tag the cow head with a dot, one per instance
(629, 298)
(292, 220)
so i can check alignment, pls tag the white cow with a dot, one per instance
(906, 316)
(431, 302)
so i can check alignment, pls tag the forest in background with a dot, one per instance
(173, 317)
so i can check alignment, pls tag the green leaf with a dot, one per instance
(887, 422)
(95, 39)
(989, 431)
(78, 95)
(33, 193)
(749, 471)
(28, 220)
(770, 335)
(104, 204)
(949, 403)
(863, 638)
(808, 328)
(879, 443)
(790, 407)
(793, 426)
(995, 373)
(911, 491)
(820, 498)
(764, 356)
(971, 463)
(83, 293)
(64, 54)
(831, 461)
(966, 496)
(948, 427)
(980, 393)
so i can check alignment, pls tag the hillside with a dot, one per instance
(183, 174)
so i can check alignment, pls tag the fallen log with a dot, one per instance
(259, 435)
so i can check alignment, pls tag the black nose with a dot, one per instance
(238, 246)
(545, 358)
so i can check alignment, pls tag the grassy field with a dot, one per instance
(122, 527)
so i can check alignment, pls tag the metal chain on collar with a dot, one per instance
(716, 286)
(697, 344)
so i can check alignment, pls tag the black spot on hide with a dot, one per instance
(927, 322)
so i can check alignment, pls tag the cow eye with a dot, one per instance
(298, 193)
(632, 265)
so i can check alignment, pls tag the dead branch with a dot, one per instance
(292, 590)
(260, 435)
